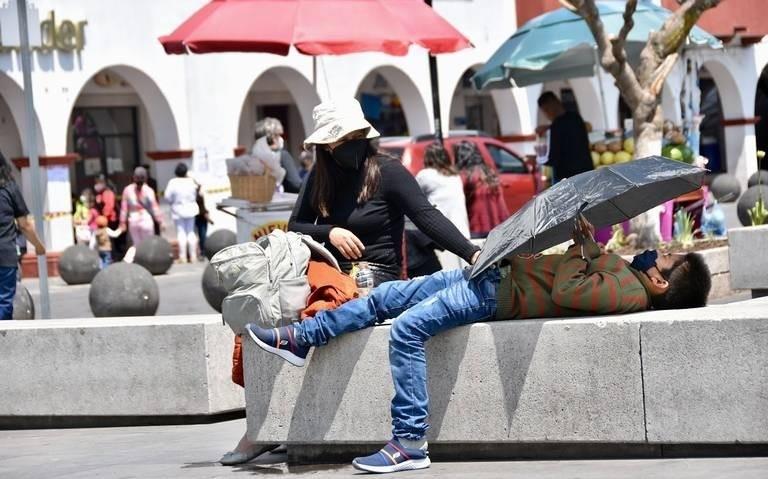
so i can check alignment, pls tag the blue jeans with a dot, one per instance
(105, 258)
(422, 307)
(7, 291)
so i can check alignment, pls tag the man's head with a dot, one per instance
(550, 105)
(679, 281)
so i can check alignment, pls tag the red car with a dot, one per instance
(517, 177)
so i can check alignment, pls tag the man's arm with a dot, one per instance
(28, 229)
(574, 288)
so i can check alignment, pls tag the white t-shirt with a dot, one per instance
(447, 194)
(181, 194)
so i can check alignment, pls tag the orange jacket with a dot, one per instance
(329, 289)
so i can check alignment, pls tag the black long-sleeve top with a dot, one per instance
(569, 146)
(379, 222)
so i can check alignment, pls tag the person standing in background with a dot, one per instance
(202, 220)
(139, 210)
(568, 138)
(485, 203)
(441, 183)
(273, 130)
(13, 218)
(181, 193)
(306, 162)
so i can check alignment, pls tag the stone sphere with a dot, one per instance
(725, 187)
(155, 254)
(124, 289)
(747, 202)
(218, 241)
(23, 306)
(79, 264)
(763, 175)
(213, 291)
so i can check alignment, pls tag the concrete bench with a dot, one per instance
(115, 371)
(665, 377)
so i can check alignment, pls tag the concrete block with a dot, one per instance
(749, 257)
(508, 381)
(155, 366)
(705, 373)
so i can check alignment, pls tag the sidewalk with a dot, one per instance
(181, 293)
(192, 451)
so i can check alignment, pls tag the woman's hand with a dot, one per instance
(347, 243)
(474, 257)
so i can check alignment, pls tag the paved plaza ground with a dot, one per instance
(192, 451)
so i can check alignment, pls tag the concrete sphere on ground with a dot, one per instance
(725, 188)
(124, 289)
(23, 306)
(747, 202)
(155, 254)
(762, 174)
(79, 264)
(212, 290)
(218, 241)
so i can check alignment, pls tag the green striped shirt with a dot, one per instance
(546, 286)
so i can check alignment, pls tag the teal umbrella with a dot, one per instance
(558, 45)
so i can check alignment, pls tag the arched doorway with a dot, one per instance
(281, 93)
(476, 110)
(119, 115)
(761, 111)
(13, 120)
(392, 103)
(712, 134)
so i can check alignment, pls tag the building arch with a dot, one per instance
(392, 102)
(14, 143)
(495, 111)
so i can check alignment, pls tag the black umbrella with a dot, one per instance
(606, 196)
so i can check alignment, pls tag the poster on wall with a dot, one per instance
(114, 165)
(92, 166)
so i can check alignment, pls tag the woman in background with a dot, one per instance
(485, 203)
(441, 183)
(181, 194)
(139, 210)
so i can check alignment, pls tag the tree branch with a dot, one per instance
(618, 44)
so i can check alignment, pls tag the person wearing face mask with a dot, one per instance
(139, 210)
(582, 282)
(355, 199)
(272, 128)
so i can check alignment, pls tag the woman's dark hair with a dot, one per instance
(181, 170)
(5, 171)
(325, 178)
(470, 161)
(689, 284)
(436, 157)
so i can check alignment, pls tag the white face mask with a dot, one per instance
(83, 199)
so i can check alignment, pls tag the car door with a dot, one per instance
(515, 178)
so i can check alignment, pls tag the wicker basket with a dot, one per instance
(258, 189)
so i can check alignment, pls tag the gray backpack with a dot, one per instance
(266, 279)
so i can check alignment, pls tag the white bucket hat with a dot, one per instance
(336, 119)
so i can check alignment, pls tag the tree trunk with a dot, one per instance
(647, 121)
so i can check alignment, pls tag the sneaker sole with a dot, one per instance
(410, 465)
(287, 355)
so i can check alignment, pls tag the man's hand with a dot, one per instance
(541, 129)
(40, 250)
(583, 230)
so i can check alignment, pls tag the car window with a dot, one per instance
(506, 161)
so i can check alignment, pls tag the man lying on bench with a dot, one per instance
(583, 281)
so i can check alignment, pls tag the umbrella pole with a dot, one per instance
(602, 90)
(435, 92)
(34, 160)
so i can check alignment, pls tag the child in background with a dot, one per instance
(84, 217)
(101, 240)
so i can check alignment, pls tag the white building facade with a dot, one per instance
(108, 98)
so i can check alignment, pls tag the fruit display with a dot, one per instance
(612, 150)
(675, 145)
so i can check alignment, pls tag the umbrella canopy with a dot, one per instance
(606, 196)
(314, 27)
(559, 45)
